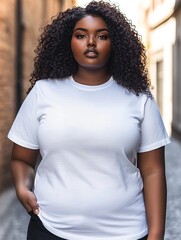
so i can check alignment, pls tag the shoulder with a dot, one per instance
(48, 84)
(45, 83)
(130, 95)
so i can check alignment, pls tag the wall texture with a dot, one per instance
(21, 23)
(7, 84)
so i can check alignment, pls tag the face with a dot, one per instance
(90, 43)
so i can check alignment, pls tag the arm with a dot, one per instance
(23, 169)
(152, 168)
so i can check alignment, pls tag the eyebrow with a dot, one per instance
(86, 30)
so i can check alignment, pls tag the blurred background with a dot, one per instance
(159, 24)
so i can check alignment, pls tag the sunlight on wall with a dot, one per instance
(162, 40)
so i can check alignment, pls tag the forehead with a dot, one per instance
(89, 22)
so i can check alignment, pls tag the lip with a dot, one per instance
(92, 53)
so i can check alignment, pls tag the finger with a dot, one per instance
(36, 211)
(34, 206)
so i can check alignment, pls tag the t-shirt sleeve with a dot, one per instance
(24, 128)
(153, 132)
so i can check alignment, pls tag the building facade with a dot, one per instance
(21, 22)
(176, 123)
(162, 33)
(7, 84)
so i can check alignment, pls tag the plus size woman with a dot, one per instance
(91, 117)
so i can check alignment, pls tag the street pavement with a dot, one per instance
(173, 172)
(14, 219)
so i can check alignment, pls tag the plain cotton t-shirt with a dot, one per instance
(87, 184)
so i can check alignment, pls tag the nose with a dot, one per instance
(91, 41)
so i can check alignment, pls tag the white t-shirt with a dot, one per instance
(87, 184)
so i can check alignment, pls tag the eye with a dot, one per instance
(103, 37)
(80, 36)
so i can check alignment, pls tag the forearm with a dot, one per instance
(22, 174)
(155, 202)
(23, 170)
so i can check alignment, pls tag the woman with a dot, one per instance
(91, 116)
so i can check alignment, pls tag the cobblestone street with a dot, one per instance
(14, 219)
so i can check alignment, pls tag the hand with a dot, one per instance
(28, 200)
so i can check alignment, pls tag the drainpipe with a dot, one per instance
(19, 67)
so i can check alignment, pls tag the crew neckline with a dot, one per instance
(85, 87)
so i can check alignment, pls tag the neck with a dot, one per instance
(91, 77)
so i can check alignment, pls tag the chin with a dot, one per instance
(93, 67)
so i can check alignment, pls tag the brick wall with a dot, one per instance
(7, 85)
(35, 14)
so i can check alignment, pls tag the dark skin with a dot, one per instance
(152, 168)
(23, 170)
(92, 33)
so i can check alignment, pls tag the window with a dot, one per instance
(61, 4)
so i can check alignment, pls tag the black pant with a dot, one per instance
(36, 230)
(144, 238)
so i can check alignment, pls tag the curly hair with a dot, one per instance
(54, 58)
